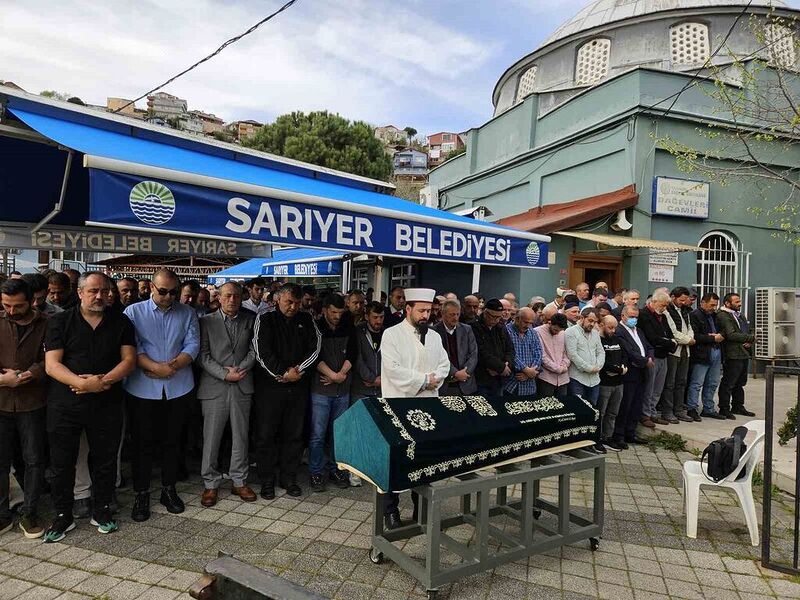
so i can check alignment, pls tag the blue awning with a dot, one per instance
(288, 262)
(249, 269)
(145, 179)
(302, 262)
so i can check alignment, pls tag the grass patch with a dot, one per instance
(758, 483)
(667, 441)
(696, 452)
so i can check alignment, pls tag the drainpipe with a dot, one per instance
(57, 208)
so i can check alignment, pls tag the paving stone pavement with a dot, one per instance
(321, 541)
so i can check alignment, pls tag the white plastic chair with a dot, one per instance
(694, 476)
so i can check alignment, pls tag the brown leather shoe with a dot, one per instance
(209, 498)
(647, 423)
(245, 493)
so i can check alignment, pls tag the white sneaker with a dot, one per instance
(355, 480)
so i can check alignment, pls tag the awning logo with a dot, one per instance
(532, 253)
(152, 202)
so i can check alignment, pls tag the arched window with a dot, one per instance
(689, 43)
(779, 40)
(723, 266)
(592, 63)
(525, 86)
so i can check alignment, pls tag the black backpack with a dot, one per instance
(724, 454)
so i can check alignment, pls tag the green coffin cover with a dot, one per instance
(399, 443)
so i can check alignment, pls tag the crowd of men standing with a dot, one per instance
(263, 370)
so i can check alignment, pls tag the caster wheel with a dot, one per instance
(432, 594)
(594, 544)
(375, 556)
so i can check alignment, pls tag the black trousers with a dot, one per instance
(630, 410)
(731, 386)
(101, 418)
(156, 422)
(281, 413)
(23, 432)
(673, 395)
(391, 504)
(545, 389)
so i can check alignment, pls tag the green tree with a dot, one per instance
(55, 95)
(454, 153)
(327, 140)
(753, 139)
(410, 133)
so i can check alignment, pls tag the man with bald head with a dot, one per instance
(547, 313)
(614, 368)
(469, 309)
(506, 310)
(527, 355)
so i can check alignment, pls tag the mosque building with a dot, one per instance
(575, 149)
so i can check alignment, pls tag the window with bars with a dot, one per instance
(723, 266)
(525, 86)
(404, 275)
(592, 63)
(689, 43)
(360, 278)
(780, 42)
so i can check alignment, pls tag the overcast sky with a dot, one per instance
(427, 64)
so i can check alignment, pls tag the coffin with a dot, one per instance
(399, 443)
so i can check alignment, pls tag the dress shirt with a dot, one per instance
(162, 335)
(528, 353)
(635, 335)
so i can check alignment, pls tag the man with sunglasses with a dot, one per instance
(168, 341)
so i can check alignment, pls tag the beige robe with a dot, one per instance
(405, 362)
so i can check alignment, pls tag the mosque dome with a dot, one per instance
(609, 37)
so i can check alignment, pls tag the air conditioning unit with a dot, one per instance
(775, 323)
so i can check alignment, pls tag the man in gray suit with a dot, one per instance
(226, 390)
(459, 343)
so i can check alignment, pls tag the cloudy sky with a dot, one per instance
(429, 65)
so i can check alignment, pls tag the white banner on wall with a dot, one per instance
(661, 273)
(680, 198)
(663, 257)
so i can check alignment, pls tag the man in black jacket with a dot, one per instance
(495, 350)
(330, 388)
(639, 353)
(656, 329)
(706, 366)
(396, 310)
(611, 388)
(287, 344)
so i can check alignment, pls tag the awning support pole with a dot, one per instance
(377, 284)
(57, 208)
(476, 279)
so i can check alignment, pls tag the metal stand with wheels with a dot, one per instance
(491, 500)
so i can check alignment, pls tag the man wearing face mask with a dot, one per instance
(414, 363)
(639, 355)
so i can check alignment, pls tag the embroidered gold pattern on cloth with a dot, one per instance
(454, 403)
(541, 405)
(400, 428)
(421, 420)
(456, 463)
(481, 406)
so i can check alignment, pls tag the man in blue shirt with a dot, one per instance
(528, 354)
(167, 342)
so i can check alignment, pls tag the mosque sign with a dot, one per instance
(680, 198)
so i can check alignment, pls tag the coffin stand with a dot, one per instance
(502, 505)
